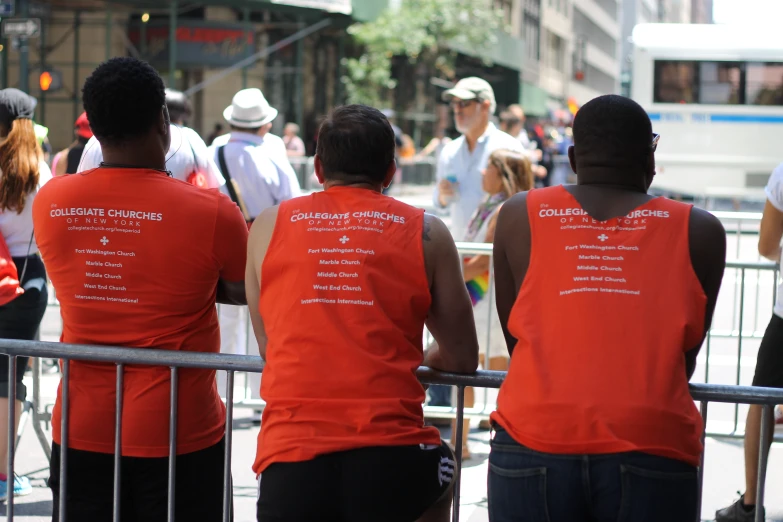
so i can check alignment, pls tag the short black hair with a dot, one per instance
(612, 131)
(356, 143)
(123, 98)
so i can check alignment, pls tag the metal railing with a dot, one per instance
(703, 393)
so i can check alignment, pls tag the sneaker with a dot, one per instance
(22, 487)
(736, 513)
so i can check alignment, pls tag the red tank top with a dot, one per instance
(603, 319)
(344, 296)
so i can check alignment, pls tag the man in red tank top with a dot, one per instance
(595, 421)
(341, 284)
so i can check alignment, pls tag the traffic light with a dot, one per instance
(50, 80)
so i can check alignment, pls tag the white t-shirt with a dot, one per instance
(187, 151)
(774, 191)
(274, 147)
(17, 229)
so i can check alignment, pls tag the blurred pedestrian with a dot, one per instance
(769, 364)
(294, 145)
(67, 160)
(23, 172)
(460, 164)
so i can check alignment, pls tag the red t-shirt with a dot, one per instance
(344, 296)
(604, 317)
(135, 257)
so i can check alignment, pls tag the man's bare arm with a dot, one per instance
(511, 257)
(770, 232)
(258, 242)
(707, 239)
(450, 318)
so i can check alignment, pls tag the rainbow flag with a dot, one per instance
(477, 287)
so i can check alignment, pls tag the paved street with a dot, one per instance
(724, 458)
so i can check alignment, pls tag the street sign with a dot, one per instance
(21, 27)
(39, 10)
(7, 7)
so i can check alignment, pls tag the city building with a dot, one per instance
(634, 12)
(701, 11)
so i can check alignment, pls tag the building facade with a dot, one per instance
(581, 50)
(634, 12)
(300, 79)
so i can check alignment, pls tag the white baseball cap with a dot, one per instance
(472, 88)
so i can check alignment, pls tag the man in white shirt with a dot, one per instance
(275, 148)
(252, 164)
(187, 160)
(462, 160)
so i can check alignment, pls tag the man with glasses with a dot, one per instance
(605, 294)
(461, 162)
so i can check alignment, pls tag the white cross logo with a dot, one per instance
(603, 237)
(104, 240)
(344, 239)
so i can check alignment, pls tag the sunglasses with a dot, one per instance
(462, 104)
(654, 145)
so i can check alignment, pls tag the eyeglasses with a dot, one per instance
(462, 104)
(654, 145)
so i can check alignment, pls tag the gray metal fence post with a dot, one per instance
(118, 441)
(11, 435)
(458, 474)
(227, 487)
(701, 461)
(173, 441)
(64, 437)
(739, 342)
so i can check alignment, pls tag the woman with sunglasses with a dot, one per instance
(507, 172)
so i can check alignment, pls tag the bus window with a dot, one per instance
(675, 82)
(719, 83)
(764, 83)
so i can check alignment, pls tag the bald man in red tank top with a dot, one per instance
(595, 421)
(341, 284)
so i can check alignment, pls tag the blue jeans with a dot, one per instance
(440, 395)
(527, 486)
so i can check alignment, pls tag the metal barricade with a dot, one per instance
(702, 393)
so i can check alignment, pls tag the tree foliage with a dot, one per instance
(420, 30)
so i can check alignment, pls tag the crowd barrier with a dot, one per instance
(702, 393)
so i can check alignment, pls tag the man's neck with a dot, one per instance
(367, 186)
(139, 157)
(473, 135)
(604, 178)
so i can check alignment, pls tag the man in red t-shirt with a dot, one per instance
(139, 259)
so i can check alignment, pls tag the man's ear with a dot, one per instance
(390, 172)
(319, 170)
(572, 158)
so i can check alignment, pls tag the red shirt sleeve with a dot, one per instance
(230, 241)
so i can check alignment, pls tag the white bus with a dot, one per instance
(715, 95)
